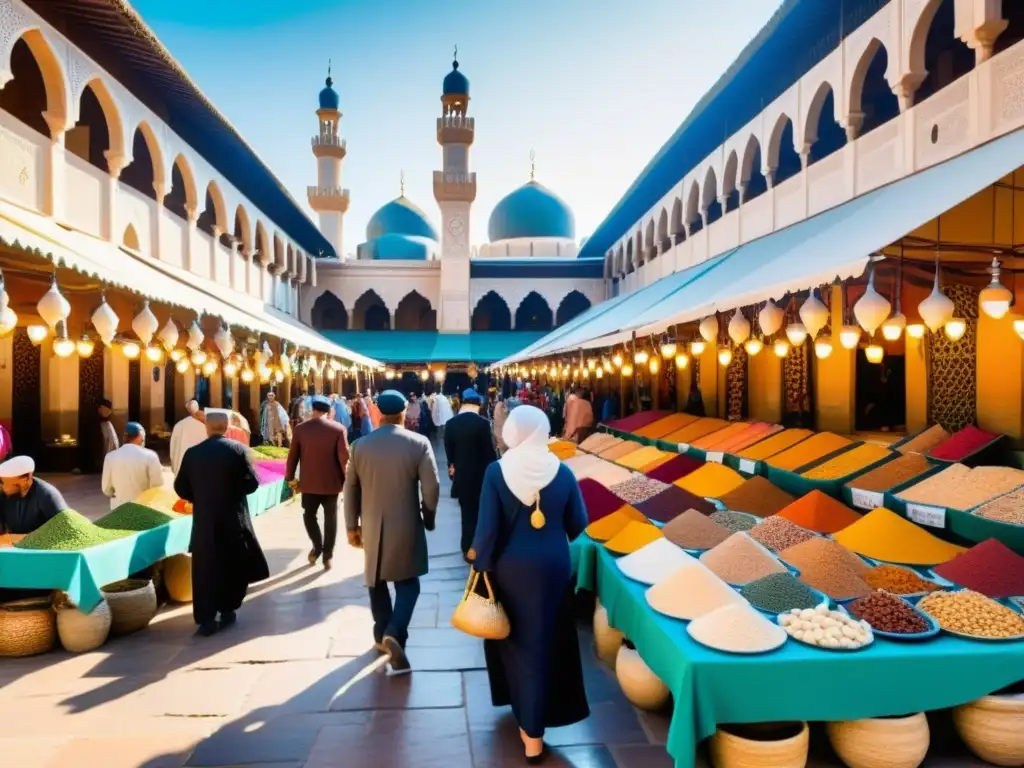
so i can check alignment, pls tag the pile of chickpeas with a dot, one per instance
(971, 613)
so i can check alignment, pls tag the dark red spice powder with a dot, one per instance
(672, 502)
(991, 568)
(962, 444)
(599, 501)
(675, 468)
(637, 420)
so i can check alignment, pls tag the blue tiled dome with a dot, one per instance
(329, 98)
(395, 247)
(532, 210)
(455, 83)
(400, 217)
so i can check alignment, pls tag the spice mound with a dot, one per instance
(693, 530)
(598, 441)
(925, 441)
(991, 568)
(809, 450)
(758, 496)
(672, 502)
(779, 593)
(884, 535)
(970, 613)
(964, 443)
(829, 568)
(898, 580)
(778, 534)
(711, 480)
(959, 487)
(637, 488)
(691, 591)
(675, 468)
(67, 531)
(1005, 509)
(900, 470)
(817, 511)
(272, 451)
(774, 444)
(888, 613)
(134, 517)
(849, 462)
(735, 521)
(737, 628)
(741, 560)
(826, 629)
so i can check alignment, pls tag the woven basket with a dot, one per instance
(887, 742)
(177, 573)
(640, 685)
(80, 632)
(27, 627)
(478, 616)
(132, 605)
(993, 728)
(607, 639)
(763, 745)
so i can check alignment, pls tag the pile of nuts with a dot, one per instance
(971, 613)
(888, 613)
(826, 629)
(777, 533)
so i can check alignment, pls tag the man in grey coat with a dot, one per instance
(388, 471)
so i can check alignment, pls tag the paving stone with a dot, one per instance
(255, 740)
(31, 751)
(125, 753)
(420, 690)
(442, 637)
(447, 658)
(302, 686)
(643, 756)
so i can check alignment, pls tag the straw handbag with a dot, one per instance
(479, 616)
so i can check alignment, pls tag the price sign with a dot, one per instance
(683, 447)
(934, 517)
(715, 456)
(866, 499)
(748, 467)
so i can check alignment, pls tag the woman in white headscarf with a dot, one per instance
(530, 508)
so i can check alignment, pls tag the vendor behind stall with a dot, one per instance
(27, 501)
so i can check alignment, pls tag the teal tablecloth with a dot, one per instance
(796, 682)
(82, 574)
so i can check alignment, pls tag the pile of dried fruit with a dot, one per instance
(898, 580)
(888, 613)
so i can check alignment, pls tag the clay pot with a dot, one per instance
(82, 632)
(993, 728)
(761, 745)
(641, 686)
(607, 639)
(177, 572)
(883, 742)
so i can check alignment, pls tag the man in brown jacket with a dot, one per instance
(320, 445)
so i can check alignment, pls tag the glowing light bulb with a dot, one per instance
(177, 354)
(617, 360)
(654, 365)
(697, 348)
(668, 350)
(230, 369)
(599, 373)
(198, 358)
(823, 347)
(247, 374)
(640, 357)
(154, 353)
(753, 346)
(424, 375)
(893, 327)
(131, 350)
(85, 347)
(849, 336)
(955, 328)
(796, 333)
(874, 353)
(682, 361)
(36, 333)
(916, 330)
(182, 365)
(1018, 326)
(724, 356)
(63, 347)
(209, 367)
(781, 348)
(627, 370)
(995, 299)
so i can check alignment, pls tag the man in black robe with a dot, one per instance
(469, 449)
(217, 476)
(27, 501)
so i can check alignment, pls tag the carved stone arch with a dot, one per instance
(693, 205)
(730, 178)
(217, 208)
(914, 52)
(750, 151)
(264, 247)
(855, 85)
(491, 313)
(649, 241)
(182, 201)
(814, 109)
(242, 231)
(574, 303)
(620, 262)
(775, 141)
(415, 313)
(328, 313)
(534, 313)
(629, 264)
(677, 227)
(664, 242)
(55, 81)
(709, 194)
(119, 149)
(370, 313)
(290, 266)
(638, 250)
(280, 259)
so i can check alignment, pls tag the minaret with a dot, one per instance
(328, 198)
(455, 191)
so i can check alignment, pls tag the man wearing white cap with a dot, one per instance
(27, 501)
(188, 432)
(132, 469)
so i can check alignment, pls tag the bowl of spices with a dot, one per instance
(892, 617)
(829, 630)
(781, 592)
(969, 614)
(779, 534)
(900, 581)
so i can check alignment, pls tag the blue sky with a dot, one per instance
(595, 88)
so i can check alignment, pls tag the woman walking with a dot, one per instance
(530, 508)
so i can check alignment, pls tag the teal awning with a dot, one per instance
(398, 347)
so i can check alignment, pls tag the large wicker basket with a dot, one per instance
(607, 639)
(80, 632)
(760, 745)
(993, 728)
(884, 742)
(641, 686)
(27, 627)
(132, 605)
(177, 573)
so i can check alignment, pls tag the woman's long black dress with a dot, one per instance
(537, 669)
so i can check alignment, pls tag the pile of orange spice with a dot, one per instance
(819, 512)
(899, 581)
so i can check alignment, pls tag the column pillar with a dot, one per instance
(218, 277)
(152, 399)
(158, 223)
(115, 383)
(53, 168)
(116, 162)
(189, 258)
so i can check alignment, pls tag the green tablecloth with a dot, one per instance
(796, 682)
(82, 574)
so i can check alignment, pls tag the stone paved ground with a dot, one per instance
(295, 685)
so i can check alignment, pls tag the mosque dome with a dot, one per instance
(532, 211)
(400, 217)
(395, 247)
(329, 98)
(455, 83)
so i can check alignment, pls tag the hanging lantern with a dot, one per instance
(177, 354)
(195, 337)
(265, 374)
(640, 357)
(131, 350)
(739, 328)
(770, 318)
(682, 361)
(668, 350)
(85, 347)
(286, 364)
(591, 364)
(230, 368)
(616, 361)
(607, 365)
(849, 336)
(599, 373)
(697, 348)
(8, 319)
(753, 346)
(198, 358)
(813, 314)
(872, 308)
(781, 348)
(955, 328)
(145, 324)
(796, 333)
(654, 365)
(247, 375)
(154, 353)
(874, 353)
(724, 356)
(36, 333)
(424, 374)
(105, 321)
(996, 298)
(627, 370)
(223, 341)
(1018, 327)
(916, 330)
(278, 375)
(63, 347)
(182, 365)
(893, 327)
(709, 328)
(937, 309)
(389, 375)
(823, 347)
(53, 307)
(168, 335)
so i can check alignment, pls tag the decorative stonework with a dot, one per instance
(1009, 76)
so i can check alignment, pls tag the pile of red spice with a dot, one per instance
(637, 420)
(599, 501)
(968, 440)
(991, 568)
(819, 512)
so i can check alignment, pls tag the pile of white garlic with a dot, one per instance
(826, 629)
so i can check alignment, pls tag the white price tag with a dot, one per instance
(748, 467)
(715, 456)
(934, 517)
(866, 499)
(683, 447)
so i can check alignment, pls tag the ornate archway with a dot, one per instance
(371, 313)
(573, 304)
(491, 314)
(329, 313)
(414, 313)
(533, 314)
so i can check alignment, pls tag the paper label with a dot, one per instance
(683, 447)
(866, 499)
(716, 456)
(934, 517)
(748, 467)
